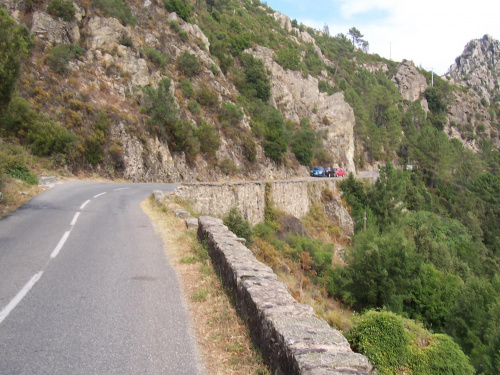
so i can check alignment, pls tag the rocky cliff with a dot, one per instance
(114, 67)
(479, 67)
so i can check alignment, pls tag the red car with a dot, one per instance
(338, 172)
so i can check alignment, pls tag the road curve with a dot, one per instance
(86, 288)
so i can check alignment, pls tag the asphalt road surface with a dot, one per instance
(86, 288)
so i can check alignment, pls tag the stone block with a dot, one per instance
(159, 195)
(183, 214)
(192, 223)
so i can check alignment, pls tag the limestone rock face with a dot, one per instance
(53, 31)
(104, 33)
(410, 82)
(479, 66)
(297, 97)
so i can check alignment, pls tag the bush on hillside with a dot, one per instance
(238, 225)
(117, 9)
(62, 9)
(181, 7)
(396, 345)
(14, 45)
(188, 64)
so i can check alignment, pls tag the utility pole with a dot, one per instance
(390, 51)
(432, 82)
(364, 221)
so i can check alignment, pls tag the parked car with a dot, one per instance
(338, 172)
(328, 172)
(318, 172)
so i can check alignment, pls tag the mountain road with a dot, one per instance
(86, 287)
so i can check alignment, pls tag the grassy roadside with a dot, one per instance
(222, 337)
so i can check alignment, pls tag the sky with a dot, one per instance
(431, 33)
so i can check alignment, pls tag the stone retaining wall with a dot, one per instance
(292, 196)
(292, 340)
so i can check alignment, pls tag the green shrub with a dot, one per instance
(304, 142)
(215, 71)
(161, 108)
(398, 345)
(13, 47)
(21, 172)
(183, 138)
(117, 9)
(193, 107)
(441, 356)
(181, 7)
(42, 135)
(62, 9)
(209, 138)
(188, 64)
(288, 58)
(227, 166)
(126, 41)
(255, 82)
(60, 55)
(206, 96)
(156, 57)
(238, 225)
(249, 147)
(186, 87)
(382, 337)
(231, 113)
(184, 35)
(175, 26)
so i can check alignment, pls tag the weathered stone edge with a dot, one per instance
(291, 338)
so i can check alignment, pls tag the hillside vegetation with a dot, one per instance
(185, 91)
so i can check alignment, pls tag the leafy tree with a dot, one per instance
(432, 150)
(382, 271)
(13, 47)
(471, 317)
(355, 35)
(386, 197)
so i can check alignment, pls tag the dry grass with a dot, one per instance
(221, 335)
(15, 194)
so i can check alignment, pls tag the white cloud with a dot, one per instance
(431, 33)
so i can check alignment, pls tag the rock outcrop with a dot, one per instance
(292, 339)
(297, 97)
(411, 83)
(479, 66)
